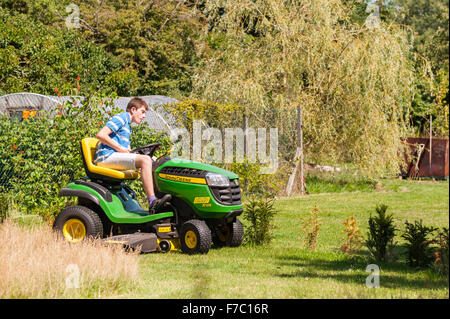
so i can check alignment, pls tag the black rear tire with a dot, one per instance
(92, 223)
(231, 234)
(195, 237)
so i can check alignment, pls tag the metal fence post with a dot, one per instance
(300, 145)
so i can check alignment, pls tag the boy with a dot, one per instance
(113, 150)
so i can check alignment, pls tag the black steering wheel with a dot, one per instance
(149, 149)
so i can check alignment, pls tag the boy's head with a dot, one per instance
(137, 108)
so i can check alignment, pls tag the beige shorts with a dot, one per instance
(119, 161)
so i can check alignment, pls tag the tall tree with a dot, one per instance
(353, 82)
(154, 39)
(38, 58)
(429, 21)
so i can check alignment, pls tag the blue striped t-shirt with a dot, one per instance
(120, 125)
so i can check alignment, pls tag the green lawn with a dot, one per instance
(285, 269)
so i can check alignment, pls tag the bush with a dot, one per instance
(44, 152)
(252, 181)
(4, 204)
(418, 243)
(380, 239)
(441, 255)
(259, 212)
(311, 228)
(353, 240)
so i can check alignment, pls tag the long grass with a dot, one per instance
(37, 263)
(336, 183)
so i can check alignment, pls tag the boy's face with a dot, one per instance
(138, 114)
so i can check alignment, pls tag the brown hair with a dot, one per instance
(137, 102)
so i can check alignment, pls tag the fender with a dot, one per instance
(79, 193)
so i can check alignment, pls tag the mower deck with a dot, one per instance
(143, 242)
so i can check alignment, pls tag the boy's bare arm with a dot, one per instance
(103, 136)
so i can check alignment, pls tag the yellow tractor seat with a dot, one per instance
(88, 149)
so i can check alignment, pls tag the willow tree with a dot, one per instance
(353, 82)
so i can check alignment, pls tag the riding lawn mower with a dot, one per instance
(205, 204)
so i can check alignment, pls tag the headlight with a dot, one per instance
(217, 180)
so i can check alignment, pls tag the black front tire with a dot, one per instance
(195, 237)
(231, 234)
(92, 223)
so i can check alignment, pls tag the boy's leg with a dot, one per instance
(144, 162)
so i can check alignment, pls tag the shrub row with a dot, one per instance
(424, 246)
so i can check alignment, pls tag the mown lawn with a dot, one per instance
(286, 269)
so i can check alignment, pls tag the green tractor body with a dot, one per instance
(206, 201)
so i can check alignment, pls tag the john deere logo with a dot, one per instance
(201, 200)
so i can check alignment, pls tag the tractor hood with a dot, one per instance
(179, 162)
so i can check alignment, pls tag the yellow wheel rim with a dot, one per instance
(190, 238)
(74, 230)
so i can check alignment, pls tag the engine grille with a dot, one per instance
(227, 195)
